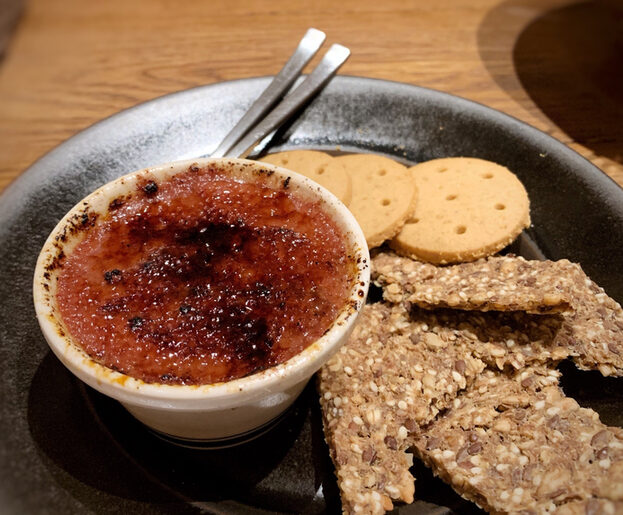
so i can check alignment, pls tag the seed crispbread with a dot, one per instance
(516, 442)
(499, 283)
(594, 328)
(592, 506)
(383, 384)
(504, 341)
(507, 438)
(591, 330)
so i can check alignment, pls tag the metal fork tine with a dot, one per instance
(306, 49)
(331, 62)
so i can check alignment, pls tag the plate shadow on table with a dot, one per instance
(568, 59)
(10, 12)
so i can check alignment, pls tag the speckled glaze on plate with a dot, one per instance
(66, 449)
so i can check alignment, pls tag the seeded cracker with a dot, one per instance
(515, 443)
(502, 340)
(383, 384)
(592, 330)
(496, 283)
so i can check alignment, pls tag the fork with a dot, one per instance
(245, 135)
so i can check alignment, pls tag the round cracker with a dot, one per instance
(315, 165)
(383, 194)
(467, 208)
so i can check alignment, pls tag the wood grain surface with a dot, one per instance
(555, 64)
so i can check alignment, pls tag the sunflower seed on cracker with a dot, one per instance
(515, 443)
(380, 386)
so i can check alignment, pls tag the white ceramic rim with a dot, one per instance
(197, 397)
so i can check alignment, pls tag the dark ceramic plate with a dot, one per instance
(66, 449)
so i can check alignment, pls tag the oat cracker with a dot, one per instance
(315, 165)
(383, 197)
(467, 208)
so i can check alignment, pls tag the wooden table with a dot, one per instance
(551, 63)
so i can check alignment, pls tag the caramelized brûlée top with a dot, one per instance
(203, 278)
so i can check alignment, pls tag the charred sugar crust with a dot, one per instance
(80, 222)
(113, 276)
(259, 343)
(150, 188)
(116, 203)
(86, 218)
(258, 172)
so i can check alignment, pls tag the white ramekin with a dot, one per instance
(210, 412)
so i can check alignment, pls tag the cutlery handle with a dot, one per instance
(306, 49)
(331, 62)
